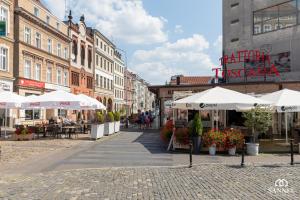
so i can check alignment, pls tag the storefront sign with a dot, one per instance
(253, 64)
(31, 83)
(2, 28)
(57, 87)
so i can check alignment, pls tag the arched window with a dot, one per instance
(82, 55)
(74, 50)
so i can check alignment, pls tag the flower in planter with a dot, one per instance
(167, 131)
(214, 138)
(234, 138)
(182, 136)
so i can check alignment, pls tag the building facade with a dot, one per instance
(82, 61)
(104, 69)
(6, 52)
(261, 40)
(119, 82)
(128, 91)
(41, 52)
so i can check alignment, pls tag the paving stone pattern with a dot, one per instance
(201, 182)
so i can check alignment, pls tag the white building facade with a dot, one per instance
(119, 70)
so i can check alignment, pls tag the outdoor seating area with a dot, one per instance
(58, 126)
(257, 113)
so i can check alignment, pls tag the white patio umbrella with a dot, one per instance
(219, 99)
(10, 100)
(284, 101)
(56, 100)
(93, 104)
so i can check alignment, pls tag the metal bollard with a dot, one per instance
(191, 157)
(243, 155)
(292, 152)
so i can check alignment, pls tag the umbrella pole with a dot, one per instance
(217, 120)
(286, 126)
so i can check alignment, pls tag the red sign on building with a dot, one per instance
(31, 83)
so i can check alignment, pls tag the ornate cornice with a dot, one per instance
(25, 14)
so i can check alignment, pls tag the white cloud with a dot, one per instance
(185, 56)
(125, 20)
(218, 44)
(178, 29)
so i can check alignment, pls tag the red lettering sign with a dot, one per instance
(65, 103)
(31, 83)
(34, 104)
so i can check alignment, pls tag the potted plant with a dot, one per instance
(181, 138)
(23, 133)
(109, 126)
(117, 117)
(258, 120)
(234, 139)
(167, 131)
(97, 130)
(195, 131)
(214, 139)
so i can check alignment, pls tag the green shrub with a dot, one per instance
(100, 117)
(110, 117)
(117, 116)
(196, 127)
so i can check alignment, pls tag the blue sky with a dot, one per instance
(161, 37)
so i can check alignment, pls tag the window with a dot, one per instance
(89, 82)
(104, 82)
(97, 60)
(75, 78)
(38, 40)
(97, 42)
(66, 78)
(111, 85)
(89, 58)
(27, 69)
(49, 74)
(66, 53)
(38, 72)
(82, 55)
(58, 75)
(105, 47)
(234, 5)
(49, 46)
(4, 17)
(48, 20)
(104, 64)
(57, 26)
(36, 12)
(267, 28)
(235, 21)
(97, 80)
(101, 82)
(74, 50)
(101, 62)
(235, 40)
(275, 17)
(3, 59)
(27, 35)
(108, 87)
(101, 45)
(59, 50)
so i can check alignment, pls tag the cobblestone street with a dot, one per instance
(202, 182)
